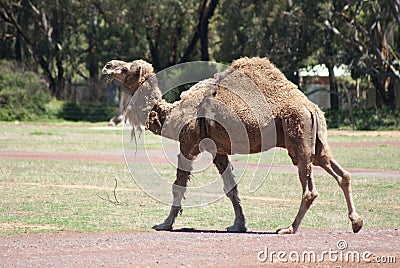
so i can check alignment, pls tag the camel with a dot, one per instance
(299, 125)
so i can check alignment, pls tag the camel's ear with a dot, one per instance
(141, 69)
(139, 73)
(137, 70)
(134, 69)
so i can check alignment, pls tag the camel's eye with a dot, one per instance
(124, 70)
(108, 66)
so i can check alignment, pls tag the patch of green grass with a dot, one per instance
(375, 157)
(67, 137)
(359, 136)
(56, 138)
(40, 133)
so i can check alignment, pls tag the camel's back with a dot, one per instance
(246, 99)
(279, 92)
(256, 98)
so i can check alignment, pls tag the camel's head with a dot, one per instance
(136, 76)
(130, 74)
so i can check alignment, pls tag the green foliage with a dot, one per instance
(23, 95)
(54, 108)
(90, 112)
(365, 119)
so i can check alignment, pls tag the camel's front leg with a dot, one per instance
(230, 188)
(178, 191)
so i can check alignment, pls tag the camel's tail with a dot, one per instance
(319, 131)
(314, 129)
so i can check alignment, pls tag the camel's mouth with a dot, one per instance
(109, 78)
(113, 70)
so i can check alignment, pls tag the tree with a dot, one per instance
(326, 48)
(206, 11)
(367, 30)
(44, 28)
(276, 29)
(70, 40)
(172, 29)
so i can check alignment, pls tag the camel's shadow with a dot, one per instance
(192, 230)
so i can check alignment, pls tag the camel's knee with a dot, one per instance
(184, 163)
(178, 193)
(309, 197)
(347, 177)
(221, 162)
(182, 177)
(178, 190)
(179, 186)
(230, 185)
(345, 181)
(233, 194)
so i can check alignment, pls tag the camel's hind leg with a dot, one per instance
(178, 191)
(343, 179)
(225, 169)
(308, 195)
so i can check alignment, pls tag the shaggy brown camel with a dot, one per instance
(299, 125)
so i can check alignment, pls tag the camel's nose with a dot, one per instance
(107, 69)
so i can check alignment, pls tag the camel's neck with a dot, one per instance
(147, 108)
(158, 115)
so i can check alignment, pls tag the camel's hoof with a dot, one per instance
(162, 227)
(288, 230)
(236, 229)
(357, 224)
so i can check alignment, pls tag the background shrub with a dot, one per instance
(23, 94)
(365, 119)
(91, 112)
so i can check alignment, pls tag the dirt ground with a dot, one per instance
(199, 248)
(196, 248)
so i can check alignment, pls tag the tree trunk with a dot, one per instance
(60, 91)
(202, 31)
(154, 52)
(92, 61)
(174, 47)
(385, 91)
(333, 88)
(350, 106)
(47, 72)
(17, 48)
(204, 43)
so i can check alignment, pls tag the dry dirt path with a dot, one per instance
(191, 248)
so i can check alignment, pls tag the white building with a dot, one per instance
(315, 83)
